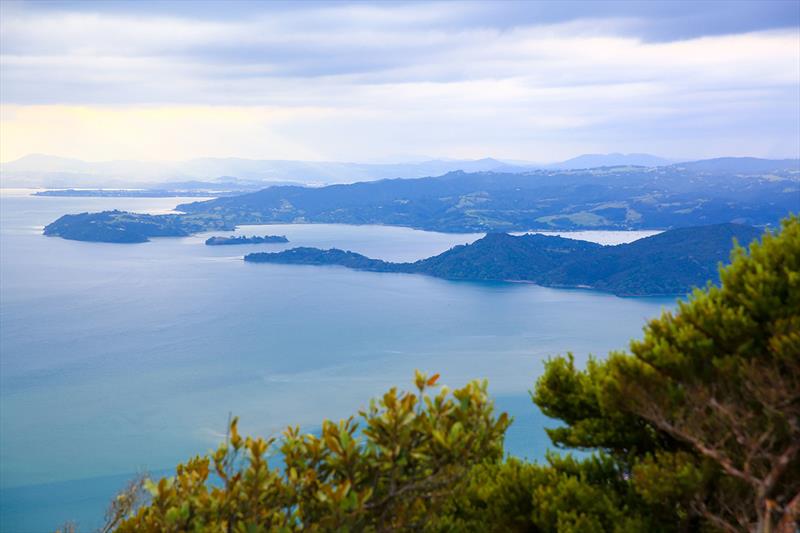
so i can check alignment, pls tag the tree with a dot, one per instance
(391, 475)
(705, 411)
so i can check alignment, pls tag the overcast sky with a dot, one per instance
(532, 81)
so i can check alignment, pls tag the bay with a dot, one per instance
(118, 358)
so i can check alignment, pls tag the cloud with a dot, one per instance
(86, 57)
(645, 19)
(340, 81)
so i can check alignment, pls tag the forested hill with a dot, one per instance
(669, 263)
(743, 190)
(750, 191)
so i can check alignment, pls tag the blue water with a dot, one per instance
(121, 358)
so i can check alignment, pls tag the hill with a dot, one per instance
(742, 165)
(612, 160)
(669, 263)
(600, 198)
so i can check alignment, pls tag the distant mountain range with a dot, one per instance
(236, 174)
(749, 191)
(221, 173)
(752, 191)
(612, 160)
(669, 263)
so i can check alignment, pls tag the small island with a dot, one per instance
(124, 227)
(266, 239)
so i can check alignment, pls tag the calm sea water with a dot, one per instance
(120, 358)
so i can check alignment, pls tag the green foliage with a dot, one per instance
(573, 396)
(565, 494)
(392, 475)
(704, 413)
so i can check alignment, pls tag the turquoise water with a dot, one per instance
(121, 358)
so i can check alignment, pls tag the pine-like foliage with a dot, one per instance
(703, 414)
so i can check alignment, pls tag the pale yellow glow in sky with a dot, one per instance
(151, 132)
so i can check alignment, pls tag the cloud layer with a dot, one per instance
(533, 81)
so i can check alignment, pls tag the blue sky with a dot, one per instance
(537, 81)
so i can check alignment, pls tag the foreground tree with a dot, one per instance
(705, 410)
(391, 475)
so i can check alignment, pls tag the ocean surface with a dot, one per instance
(120, 358)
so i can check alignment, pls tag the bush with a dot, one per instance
(393, 474)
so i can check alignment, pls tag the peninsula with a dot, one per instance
(670, 263)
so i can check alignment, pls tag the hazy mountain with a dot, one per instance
(237, 174)
(39, 170)
(742, 165)
(46, 163)
(612, 160)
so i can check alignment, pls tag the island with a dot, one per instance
(267, 239)
(126, 228)
(670, 263)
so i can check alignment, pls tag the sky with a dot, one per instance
(393, 81)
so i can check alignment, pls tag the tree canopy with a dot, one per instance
(704, 412)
